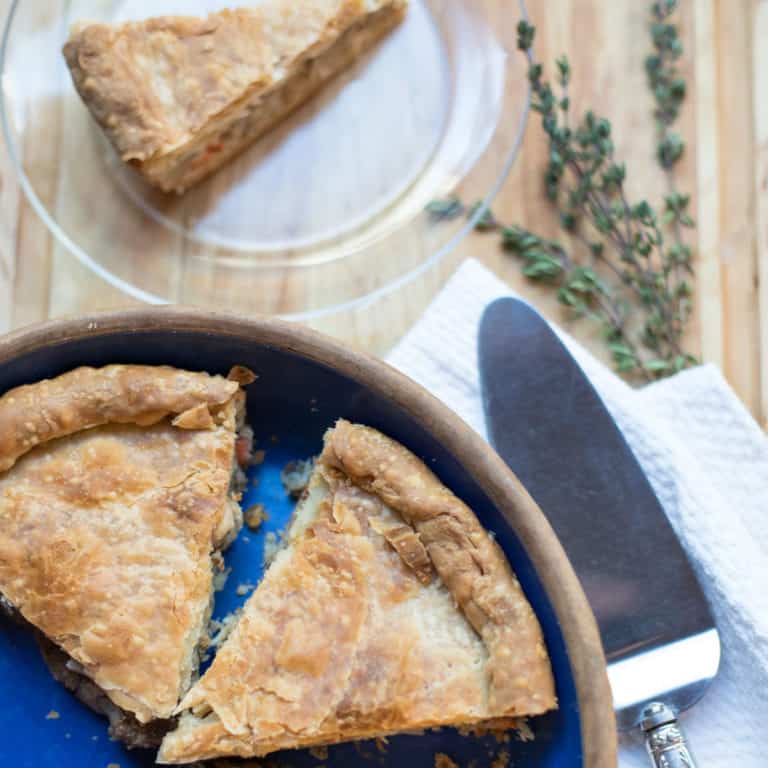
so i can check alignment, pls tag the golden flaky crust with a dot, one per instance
(108, 518)
(390, 609)
(89, 397)
(178, 96)
(469, 562)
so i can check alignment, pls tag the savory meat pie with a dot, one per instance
(179, 96)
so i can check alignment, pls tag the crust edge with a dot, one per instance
(34, 414)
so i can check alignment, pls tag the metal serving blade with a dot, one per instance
(548, 423)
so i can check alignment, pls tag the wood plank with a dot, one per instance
(737, 238)
(760, 106)
(708, 269)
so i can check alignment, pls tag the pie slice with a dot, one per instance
(179, 96)
(389, 609)
(117, 490)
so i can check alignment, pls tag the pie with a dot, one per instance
(179, 96)
(389, 609)
(117, 492)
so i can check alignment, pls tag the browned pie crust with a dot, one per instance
(89, 397)
(179, 96)
(389, 609)
(469, 562)
(115, 491)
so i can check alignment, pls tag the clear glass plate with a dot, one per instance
(325, 212)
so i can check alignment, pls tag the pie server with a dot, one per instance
(548, 423)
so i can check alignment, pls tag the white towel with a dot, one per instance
(708, 462)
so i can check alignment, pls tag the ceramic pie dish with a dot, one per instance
(306, 382)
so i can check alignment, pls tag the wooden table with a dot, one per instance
(725, 124)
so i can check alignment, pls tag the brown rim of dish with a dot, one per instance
(598, 727)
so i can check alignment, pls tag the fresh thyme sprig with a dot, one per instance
(626, 256)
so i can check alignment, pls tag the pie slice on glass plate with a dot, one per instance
(118, 489)
(179, 96)
(388, 609)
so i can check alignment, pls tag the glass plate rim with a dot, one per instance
(358, 303)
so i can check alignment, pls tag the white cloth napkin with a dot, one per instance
(708, 463)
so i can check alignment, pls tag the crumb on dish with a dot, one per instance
(295, 476)
(271, 547)
(219, 631)
(244, 446)
(523, 730)
(220, 579)
(254, 516)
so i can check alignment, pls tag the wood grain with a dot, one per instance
(725, 125)
(737, 206)
(708, 274)
(760, 106)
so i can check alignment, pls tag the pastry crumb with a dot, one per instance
(52, 715)
(523, 730)
(443, 761)
(319, 753)
(254, 516)
(113, 765)
(382, 744)
(296, 475)
(257, 459)
(501, 760)
(242, 375)
(219, 631)
(244, 589)
(274, 439)
(244, 447)
(220, 579)
(273, 543)
(501, 735)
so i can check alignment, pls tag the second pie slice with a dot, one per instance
(389, 609)
(178, 96)
(117, 490)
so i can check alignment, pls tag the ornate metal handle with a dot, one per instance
(664, 740)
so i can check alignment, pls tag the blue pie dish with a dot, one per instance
(306, 382)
